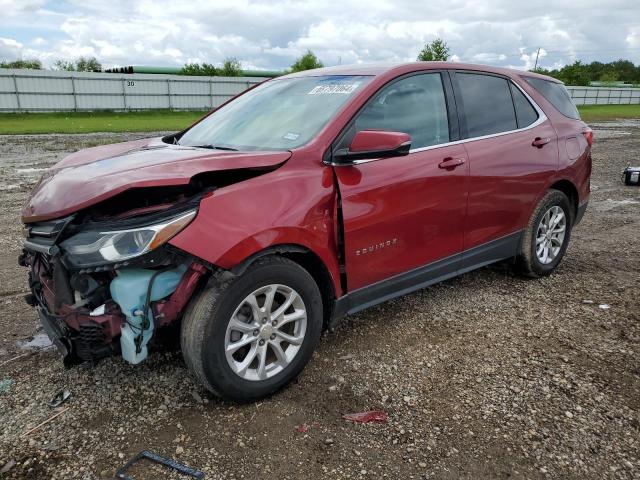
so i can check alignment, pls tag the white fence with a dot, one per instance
(604, 95)
(54, 91)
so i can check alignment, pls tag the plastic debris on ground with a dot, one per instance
(604, 306)
(166, 462)
(5, 385)
(377, 416)
(8, 466)
(304, 428)
(59, 398)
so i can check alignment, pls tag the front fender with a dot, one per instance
(292, 205)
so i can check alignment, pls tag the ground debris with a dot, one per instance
(5, 385)
(377, 416)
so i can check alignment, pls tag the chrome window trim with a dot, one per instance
(541, 119)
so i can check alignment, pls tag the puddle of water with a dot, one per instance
(609, 204)
(629, 122)
(30, 170)
(39, 341)
(602, 134)
(614, 128)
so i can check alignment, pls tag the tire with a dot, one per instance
(528, 261)
(208, 331)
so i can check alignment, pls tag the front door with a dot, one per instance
(405, 212)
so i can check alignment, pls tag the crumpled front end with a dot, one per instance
(102, 275)
(95, 296)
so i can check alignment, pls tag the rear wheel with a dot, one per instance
(547, 235)
(247, 337)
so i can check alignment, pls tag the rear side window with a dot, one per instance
(487, 104)
(415, 105)
(525, 113)
(556, 95)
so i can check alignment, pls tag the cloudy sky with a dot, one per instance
(270, 34)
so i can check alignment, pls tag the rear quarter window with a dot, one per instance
(556, 95)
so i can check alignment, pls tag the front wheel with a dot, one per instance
(547, 235)
(247, 337)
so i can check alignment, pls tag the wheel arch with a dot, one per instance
(569, 189)
(307, 259)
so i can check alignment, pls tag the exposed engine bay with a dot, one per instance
(102, 288)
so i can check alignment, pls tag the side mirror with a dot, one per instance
(370, 144)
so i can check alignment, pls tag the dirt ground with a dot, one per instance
(485, 376)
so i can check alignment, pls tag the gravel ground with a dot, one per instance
(485, 376)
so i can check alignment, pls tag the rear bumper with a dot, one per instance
(581, 210)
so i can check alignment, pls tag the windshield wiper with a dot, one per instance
(215, 147)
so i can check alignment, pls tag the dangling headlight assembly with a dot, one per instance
(90, 248)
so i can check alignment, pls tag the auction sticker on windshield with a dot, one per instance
(345, 88)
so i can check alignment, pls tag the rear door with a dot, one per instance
(513, 150)
(405, 212)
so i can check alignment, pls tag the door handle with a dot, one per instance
(450, 163)
(540, 142)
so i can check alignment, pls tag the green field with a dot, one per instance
(591, 113)
(87, 122)
(166, 120)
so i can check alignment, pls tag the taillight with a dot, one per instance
(588, 134)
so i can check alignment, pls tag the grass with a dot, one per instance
(166, 120)
(590, 113)
(87, 122)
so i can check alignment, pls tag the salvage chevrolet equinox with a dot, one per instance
(307, 198)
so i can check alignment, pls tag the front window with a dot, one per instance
(415, 105)
(278, 115)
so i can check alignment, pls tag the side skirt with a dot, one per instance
(422, 277)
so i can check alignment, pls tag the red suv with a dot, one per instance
(307, 198)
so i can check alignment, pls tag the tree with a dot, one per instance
(438, 50)
(231, 68)
(608, 78)
(308, 61)
(31, 64)
(82, 64)
(88, 65)
(64, 65)
(206, 69)
(579, 73)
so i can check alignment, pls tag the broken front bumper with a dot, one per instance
(55, 333)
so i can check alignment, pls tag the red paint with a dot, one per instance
(588, 135)
(409, 204)
(91, 176)
(404, 212)
(506, 175)
(374, 140)
(375, 416)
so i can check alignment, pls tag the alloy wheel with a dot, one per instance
(550, 235)
(265, 332)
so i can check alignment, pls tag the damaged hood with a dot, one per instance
(90, 176)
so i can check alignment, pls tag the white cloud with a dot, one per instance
(272, 33)
(13, 8)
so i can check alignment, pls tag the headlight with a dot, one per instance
(95, 247)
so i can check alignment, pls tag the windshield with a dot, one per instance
(277, 115)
